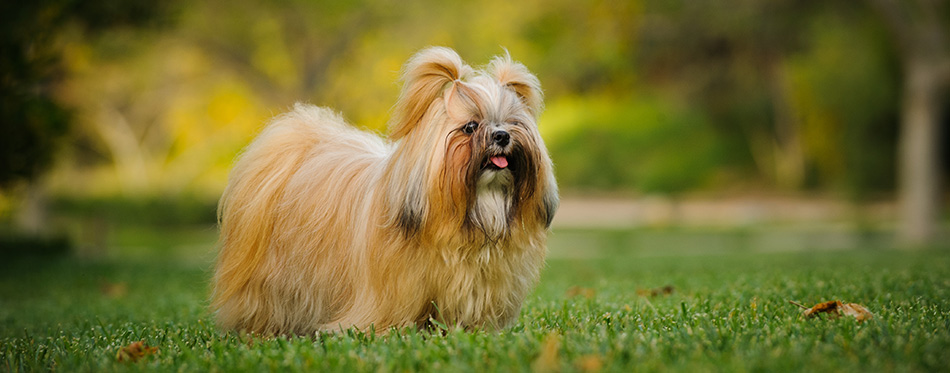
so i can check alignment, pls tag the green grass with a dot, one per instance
(729, 312)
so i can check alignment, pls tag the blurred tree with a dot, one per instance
(843, 86)
(283, 49)
(588, 45)
(804, 90)
(169, 111)
(30, 118)
(919, 30)
(729, 57)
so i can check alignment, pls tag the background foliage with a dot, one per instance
(643, 96)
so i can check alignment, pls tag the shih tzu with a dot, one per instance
(326, 227)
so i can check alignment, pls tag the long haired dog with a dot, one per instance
(324, 226)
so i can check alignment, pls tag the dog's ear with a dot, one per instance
(550, 201)
(425, 77)
(411, 212)
(515, 76)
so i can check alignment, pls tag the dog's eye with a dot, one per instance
(470, 127)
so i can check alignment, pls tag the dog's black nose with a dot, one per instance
(501, 138)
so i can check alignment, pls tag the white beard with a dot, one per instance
(492, 202)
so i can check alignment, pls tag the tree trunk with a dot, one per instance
(32, 215)
(918, 29)
(918, 168)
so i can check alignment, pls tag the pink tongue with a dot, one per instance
(500, 161)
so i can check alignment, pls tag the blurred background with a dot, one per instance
(699, 124)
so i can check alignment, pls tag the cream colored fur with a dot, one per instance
(326, 227)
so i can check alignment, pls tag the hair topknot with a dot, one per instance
(425, 77)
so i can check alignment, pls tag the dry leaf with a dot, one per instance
(547, 360)
(589, 363)
(835, 309)
(857, 311)
(135, 351)
(114, 290)
(666, 290)
(574, 291)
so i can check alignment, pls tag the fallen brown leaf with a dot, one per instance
(135, 351)
(835, 309)
(547, 360)
(666, 290)
(114, 290)
(857, 311)
(589, 363)
(574, 291)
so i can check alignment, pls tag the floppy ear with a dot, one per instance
(515, 76)
(425, 77)
(550, 201)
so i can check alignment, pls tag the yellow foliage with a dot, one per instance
(270, 54)
(229, 101)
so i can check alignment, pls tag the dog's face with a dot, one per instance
(473, 139)
(495, 148)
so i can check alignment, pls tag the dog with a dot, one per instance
(325, 227)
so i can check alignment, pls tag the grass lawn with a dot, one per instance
(729, 311)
